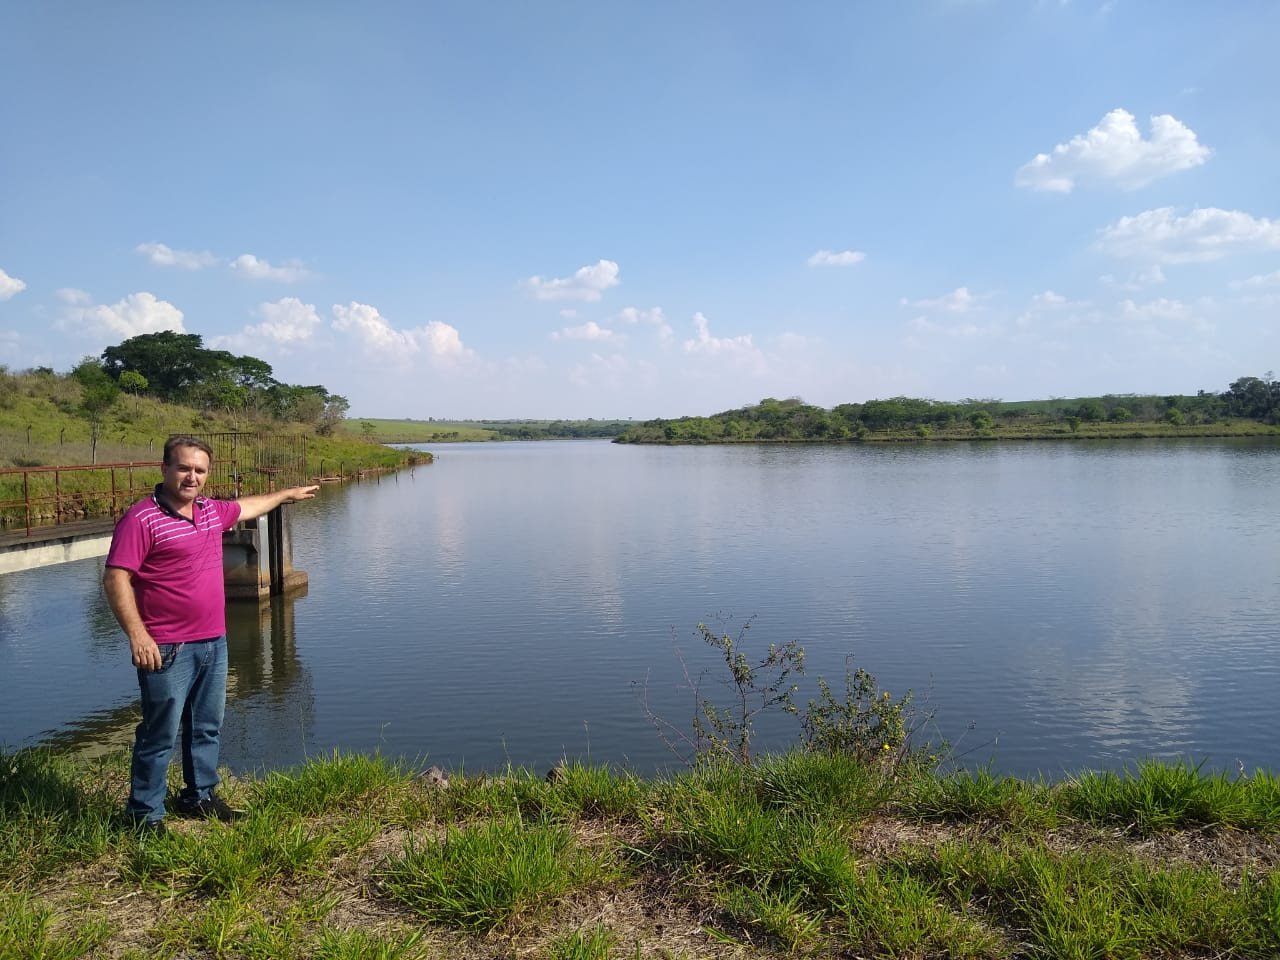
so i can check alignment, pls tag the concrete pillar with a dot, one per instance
(246, 567)
(284, 578)
(257, 558)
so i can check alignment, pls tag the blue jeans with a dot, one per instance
(186, 696)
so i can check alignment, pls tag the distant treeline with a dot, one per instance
(560, 429)
(178, 368)
(1248, 398)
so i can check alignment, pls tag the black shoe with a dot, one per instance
(150, 828)
(212, 807)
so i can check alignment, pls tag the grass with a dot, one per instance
(355, 856)
(39, 427)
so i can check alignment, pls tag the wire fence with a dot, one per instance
(37, 498)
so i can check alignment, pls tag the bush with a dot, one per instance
(868, 723)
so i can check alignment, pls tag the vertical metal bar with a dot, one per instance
(57, 497)
(26, 497)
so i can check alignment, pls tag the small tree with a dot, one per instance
(135, 383)
(335, 408)
(755, 688)
(98, 394)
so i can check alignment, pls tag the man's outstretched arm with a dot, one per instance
(260, 503)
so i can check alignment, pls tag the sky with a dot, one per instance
(570, 210)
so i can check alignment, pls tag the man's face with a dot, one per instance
(184, 477)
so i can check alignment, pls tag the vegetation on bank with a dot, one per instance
(457, 431)
(851, 844)
(44, 422)
(1248, 407)
(800, 854)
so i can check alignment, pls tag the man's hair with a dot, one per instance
(185, 440)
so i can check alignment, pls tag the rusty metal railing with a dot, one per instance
(50, 496)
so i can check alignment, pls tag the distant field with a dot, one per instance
(458, 431)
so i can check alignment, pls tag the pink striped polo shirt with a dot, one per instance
(177, 566)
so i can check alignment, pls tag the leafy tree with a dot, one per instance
(981, 420)
(251, 373)
(1255, 398)
(1092, 410)
(98, 394)
(135, 383)
(334, 410)
(171, 362)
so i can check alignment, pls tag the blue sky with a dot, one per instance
(515, 209)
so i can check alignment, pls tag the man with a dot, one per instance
(164, 583)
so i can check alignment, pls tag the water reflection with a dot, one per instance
(1082, 604)
(270, 704)
(270, 701)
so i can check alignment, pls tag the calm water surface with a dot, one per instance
(1055, 606)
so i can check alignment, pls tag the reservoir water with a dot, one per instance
(1053, 606)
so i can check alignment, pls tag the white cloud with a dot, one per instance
(163, 256)
(1160, 236)
(1261, 280)
(288, 320)
(846, 258)
(1151, 276)
(135, 314)
(250, 266)
(654, 318)
(1164, 316)
(9, 286)
(587, 283)
(72, 296)
(1159, 309)
(601, 372)
(438, 341)
(1047, 305)
(790, 341)
(739, 348)
(587, 331)
(1048, 299)
(286, 323)
(1114, 152)
(962, 330)
(959, 300)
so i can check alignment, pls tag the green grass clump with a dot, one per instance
(972, 796)
(343, 781)
(30, 930)
(54, 813)
(802, 854)
(486, 876)
(1104, 903)
(262, 849)
(835, 786)
(593, 944)
(1164, 796)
